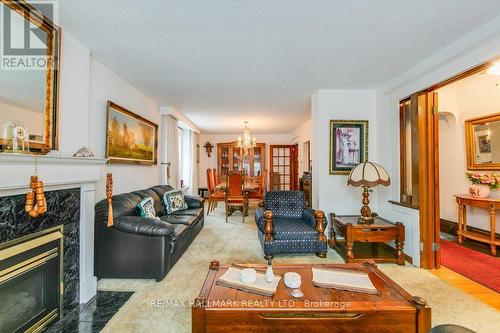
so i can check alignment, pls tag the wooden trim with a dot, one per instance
(428, 165)
(293, 168)
(131, 114)
(451, 228)
(471, 71)
(402, 148)
(404, 204)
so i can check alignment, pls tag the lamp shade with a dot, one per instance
(368, 174)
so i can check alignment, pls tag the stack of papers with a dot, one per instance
(343, 279)
(231, 279)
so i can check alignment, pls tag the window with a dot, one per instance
(181, 162)
(408, 135)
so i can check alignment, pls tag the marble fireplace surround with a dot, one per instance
(61, 173)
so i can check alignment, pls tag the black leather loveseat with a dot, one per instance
(144, 248)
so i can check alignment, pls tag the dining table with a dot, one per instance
(249, 185)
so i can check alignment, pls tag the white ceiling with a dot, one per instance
(223, 62)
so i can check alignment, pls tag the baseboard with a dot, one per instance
(451, 228)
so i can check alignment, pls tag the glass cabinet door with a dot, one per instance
(224, 161)
(236, 158)
(257, 161)
(247, 162)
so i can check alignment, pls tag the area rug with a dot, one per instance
(477, 266)
(165, 306)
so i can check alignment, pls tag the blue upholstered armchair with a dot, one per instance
(285, 225)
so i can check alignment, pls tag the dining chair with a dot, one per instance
(235, 194)
(257, 196)
(214, 196)
(216, 177)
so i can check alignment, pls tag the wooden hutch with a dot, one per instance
(231, 157)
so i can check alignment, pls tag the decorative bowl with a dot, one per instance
(292, 280)
(248, 275)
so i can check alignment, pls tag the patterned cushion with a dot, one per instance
(174, 201)
(285, 203)
(288, 228)
(291, 246)
(146, 208)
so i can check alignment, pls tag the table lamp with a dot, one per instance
(368, 175)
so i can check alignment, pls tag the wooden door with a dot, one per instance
(283, 167)
(428, 166)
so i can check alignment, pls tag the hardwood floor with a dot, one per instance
(474, 289)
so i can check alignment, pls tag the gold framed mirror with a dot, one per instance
(29, 80)
(482, 136)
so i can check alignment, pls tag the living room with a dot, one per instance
(129, 104)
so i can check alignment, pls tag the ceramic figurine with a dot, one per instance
(84, 152)
(269, 272)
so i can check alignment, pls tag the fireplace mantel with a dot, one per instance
(55, 172)
(6, 158)
(58, 173)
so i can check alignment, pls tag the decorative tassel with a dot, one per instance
(37, 194)
(109, 196)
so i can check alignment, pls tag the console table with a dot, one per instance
(492, 204)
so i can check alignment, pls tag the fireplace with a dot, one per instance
(31, 281)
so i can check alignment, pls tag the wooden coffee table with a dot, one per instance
(222, 309)
(347, 230)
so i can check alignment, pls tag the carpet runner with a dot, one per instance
(477, 266)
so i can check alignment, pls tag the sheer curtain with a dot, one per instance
(173, 177)
(193, 189)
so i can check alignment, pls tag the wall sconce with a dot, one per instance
(208, 148)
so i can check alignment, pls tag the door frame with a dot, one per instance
(428, 165)
(294, 163)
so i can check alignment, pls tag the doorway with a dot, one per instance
(284, 167)
(420, 146)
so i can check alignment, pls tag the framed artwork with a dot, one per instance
(348, 145)
(129, 137)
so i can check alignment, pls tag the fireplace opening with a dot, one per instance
(31, 287)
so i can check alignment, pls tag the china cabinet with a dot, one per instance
(231, 157)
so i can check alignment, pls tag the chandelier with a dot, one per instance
(246, 142)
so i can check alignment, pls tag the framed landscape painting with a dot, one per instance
(129, 137)
(348, 145)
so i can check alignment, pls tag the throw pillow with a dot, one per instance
(146, 208)
(174, 201)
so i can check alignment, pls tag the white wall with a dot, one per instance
(106, 85)
(33, 121)
(73, 95)
(211, 162)
(330, 192)
(471, 97)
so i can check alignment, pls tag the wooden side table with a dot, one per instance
(346, 230)
(492, 204)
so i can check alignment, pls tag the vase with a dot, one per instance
(479, 191)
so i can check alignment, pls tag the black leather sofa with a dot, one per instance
(143, 248)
